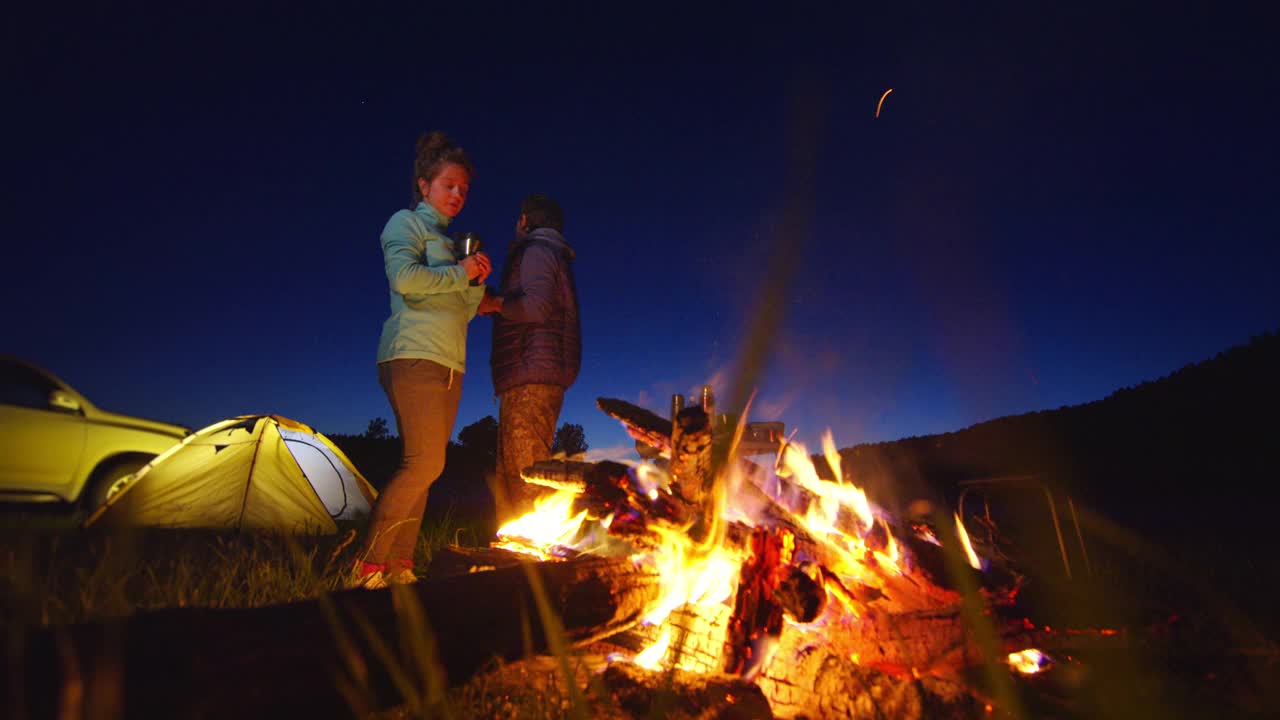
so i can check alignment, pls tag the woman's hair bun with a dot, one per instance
(431, 144)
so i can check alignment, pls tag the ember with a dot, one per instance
(1029, 661)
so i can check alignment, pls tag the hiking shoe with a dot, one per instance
(403, 577)
(367, 576)
(375, 580)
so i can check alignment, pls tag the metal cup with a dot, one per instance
(466, 244)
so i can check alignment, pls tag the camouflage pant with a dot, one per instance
(527, 417)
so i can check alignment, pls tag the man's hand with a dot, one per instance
(477, 266)
(490, 305)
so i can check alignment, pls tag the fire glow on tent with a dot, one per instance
(253, 472)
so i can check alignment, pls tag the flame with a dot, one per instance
(551, 524)
(857, 498)
(1029, 661)
(890, 556)
(822, 515)
(837, 591)
(651, 479)
(974, 561)
(831, 496)
(691, 575)
(651, 657)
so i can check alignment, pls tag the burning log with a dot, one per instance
(906, 664)
(641, 424)
(570, 475)
(455, 560)
(920, 540)
(606, 490)
(769, 585)
(281, 661)
(822, 683)
(644, 693)
(690, 467)
(821, 554)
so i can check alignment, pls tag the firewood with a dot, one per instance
(927, 558)
(600, 483)
(802, 598)
(644, 693)
(690, 469)
(757, 614)
(571, 475)
(808, 546)
(606, 489)
(643, 425)
(456, 560)
(807, 665)
(895, 620)
(822, 682)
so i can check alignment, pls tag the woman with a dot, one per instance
(422, 352)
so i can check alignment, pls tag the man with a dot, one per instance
(537, 347)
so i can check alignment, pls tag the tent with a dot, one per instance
(260, 472)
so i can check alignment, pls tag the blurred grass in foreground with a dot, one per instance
(52, 572)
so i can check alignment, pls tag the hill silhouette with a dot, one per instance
(1165, 457)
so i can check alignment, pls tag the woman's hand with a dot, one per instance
(477, 266)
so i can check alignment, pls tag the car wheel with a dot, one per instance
(99, 486)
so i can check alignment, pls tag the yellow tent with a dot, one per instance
(260, 472)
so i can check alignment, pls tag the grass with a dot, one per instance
(53, 573)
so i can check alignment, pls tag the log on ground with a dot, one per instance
(677, 693)
(822, 683)
(285, 660)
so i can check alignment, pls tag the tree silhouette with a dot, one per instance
(571, 439)
(480, 440)
(377, 429)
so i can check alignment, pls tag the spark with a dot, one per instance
(881, 103)
(972, 556)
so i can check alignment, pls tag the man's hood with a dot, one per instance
(552, 237)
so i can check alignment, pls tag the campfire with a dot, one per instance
(771, 574)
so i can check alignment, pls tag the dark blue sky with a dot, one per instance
(1052, 205)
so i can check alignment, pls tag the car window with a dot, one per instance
(20, 385)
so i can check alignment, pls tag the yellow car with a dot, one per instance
(56, 446)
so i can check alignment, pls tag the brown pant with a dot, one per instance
(424, 396)
(527, 417)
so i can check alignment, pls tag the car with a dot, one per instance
(57, 447)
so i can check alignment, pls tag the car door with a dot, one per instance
(40, 446)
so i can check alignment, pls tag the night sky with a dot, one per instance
(1051, 205)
